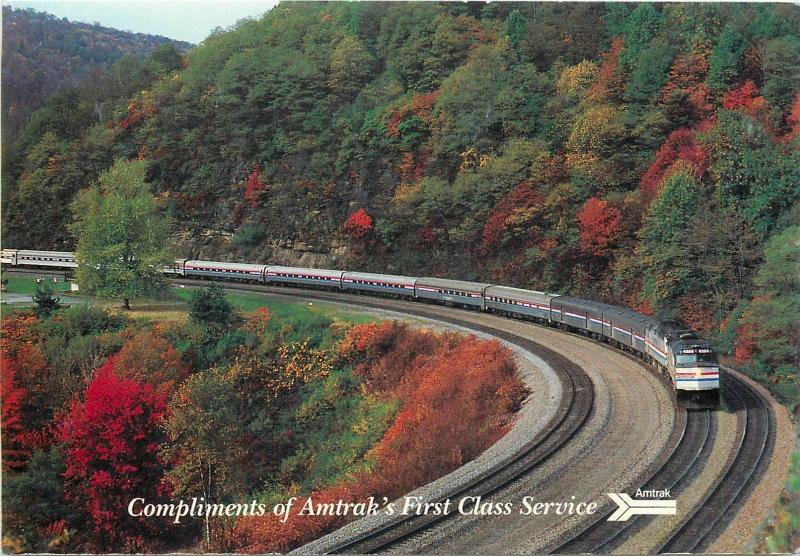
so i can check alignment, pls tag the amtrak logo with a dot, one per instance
(627, 506)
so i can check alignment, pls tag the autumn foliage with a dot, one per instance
(14, 456)
(681, 145)
(148, 357)
(458, 396)
(745, 345)
(358, 225)
(112, 439)
(746, 98)
(253, 187)
(600, 225)
(511, 209)
(687, 88)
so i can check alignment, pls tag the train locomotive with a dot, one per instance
(677, 352)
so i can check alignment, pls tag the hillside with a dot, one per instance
(42, 54)
(643, 154)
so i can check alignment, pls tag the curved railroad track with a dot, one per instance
(685, 455)
(695, 432)
(756, 440)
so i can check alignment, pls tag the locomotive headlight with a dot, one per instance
(698, 373)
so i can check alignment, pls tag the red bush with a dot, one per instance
(745, 98)
(358, 225)
(600, 226)
(12, 395)
(112, 439)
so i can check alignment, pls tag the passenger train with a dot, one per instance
(675, 350)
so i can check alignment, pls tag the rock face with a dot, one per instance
(214, 244)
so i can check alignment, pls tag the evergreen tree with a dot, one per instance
(723, 63)
(45, 299)
(209, 306)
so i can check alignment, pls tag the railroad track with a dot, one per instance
(574, 408)
(695, 433)
(756, 440)
(699, 529)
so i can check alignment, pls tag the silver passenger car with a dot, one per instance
(229, 271)
(57, 259)
(518, 302)
(382, 283)
(455, 292)
(305, 276)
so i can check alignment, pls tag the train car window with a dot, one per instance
(695, 356)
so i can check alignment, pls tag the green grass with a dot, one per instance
(287, 310)
(26, 285)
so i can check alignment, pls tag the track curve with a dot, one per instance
(682, 456)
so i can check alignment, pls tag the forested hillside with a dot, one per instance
(42, 54)
(641, 153)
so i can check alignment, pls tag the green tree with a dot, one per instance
(121, 235)
(640, 27)
(515, 27)
(351, 65)
(773, 313)
(662, 252)
(723, 63)
(781, 73)
(34, 499)
(650, 71)
(209, 306)
(166, 58)
(45, 299)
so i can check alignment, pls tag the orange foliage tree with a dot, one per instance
(519, 201)
(600, 226)
(148, 357)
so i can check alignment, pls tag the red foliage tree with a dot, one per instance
(745, 344)
(745, 97)
(600, 226)
(680, 145)
(523, 197)
(358, 225)
(254, 186)
(793, 119)
(112, 439)
(14, 455)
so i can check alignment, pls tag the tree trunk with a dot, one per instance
(126, 304)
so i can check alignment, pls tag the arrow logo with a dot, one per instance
(628, 507)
